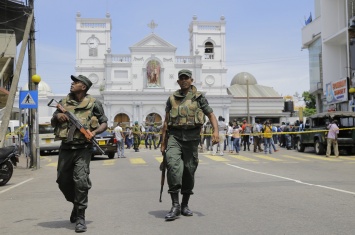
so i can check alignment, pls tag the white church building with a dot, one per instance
(135, 87)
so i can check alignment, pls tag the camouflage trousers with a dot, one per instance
(182, 162)
(73, 175)
(136, 141)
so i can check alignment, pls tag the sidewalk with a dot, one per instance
(22, 164)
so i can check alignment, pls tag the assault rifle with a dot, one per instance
(162, 180)
(76, 124)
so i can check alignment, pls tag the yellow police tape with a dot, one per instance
(251, 134)
(270, 133)
(17, 132)
(289, 133)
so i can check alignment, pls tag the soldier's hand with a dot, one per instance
(62, 117)
(215, 138)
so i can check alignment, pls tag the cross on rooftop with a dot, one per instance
(152, 25)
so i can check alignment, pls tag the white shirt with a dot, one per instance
(118, 133)
(333, 131)
(222, 126)
(230, 131)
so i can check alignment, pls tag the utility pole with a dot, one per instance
(13, 89)
(248, 114)
(31, 72)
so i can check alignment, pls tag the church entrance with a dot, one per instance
(153, 118)
(121, 118)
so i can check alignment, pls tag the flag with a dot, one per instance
(309, 20)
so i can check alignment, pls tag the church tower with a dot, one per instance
(93, 42)
(208, 39)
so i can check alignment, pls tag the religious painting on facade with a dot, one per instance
(153, 74)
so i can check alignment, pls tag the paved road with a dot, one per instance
(251, 193)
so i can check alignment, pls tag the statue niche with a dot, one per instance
(153, 74)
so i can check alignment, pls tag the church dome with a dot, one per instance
(242, 78)
(43, 88)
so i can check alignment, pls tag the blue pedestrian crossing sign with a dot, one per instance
(28, 100)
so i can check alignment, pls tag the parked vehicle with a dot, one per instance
(315, 132)
(107, 142)
(8, 159)
(12, 137)
(46, 139)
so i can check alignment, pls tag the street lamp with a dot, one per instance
(36, 79)
(248, 115)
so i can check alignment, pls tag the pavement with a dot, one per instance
(23, 162)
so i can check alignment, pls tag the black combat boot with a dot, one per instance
(73, 215)
(175, 210)
(184, 205)
(80, 221)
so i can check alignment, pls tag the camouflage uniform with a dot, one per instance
(74, 157)
(184, 138)
(136, 136)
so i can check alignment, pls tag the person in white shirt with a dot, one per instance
(332, 138)
(222, 129)
(120, 141)
(229, 137)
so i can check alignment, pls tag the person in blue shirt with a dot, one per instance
(26, 140)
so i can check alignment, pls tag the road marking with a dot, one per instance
(268, 158)
(46, 158)
(54, 164)
(242, 158)
(323, 158)
(347, 158)
(137, 160)
(293, 180)
(108, 162)
(217, 158)
(296, 158)
(5, 190)
(160, 159)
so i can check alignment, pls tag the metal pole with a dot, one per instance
(31, 72)
(37, 136)
(248, 101)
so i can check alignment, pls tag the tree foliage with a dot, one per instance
(310, 101)
(308, 112)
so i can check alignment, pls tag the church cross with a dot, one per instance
(152, 25)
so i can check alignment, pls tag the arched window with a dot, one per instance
(209, 51)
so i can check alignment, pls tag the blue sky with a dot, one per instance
(263, 37)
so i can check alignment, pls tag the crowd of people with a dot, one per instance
(132, 136)
(238, 136)
(234, 136)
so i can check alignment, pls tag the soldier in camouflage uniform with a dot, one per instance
(136, 130)
(74, 157)
(185, 115)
